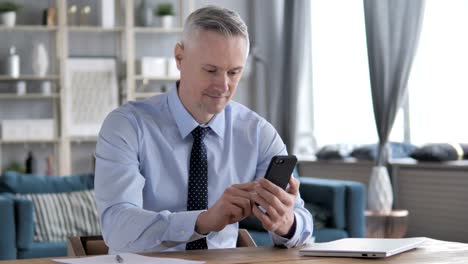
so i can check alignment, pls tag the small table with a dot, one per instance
(386, 225)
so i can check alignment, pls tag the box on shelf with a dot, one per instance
(153, 67)
(28, 129)
(14, 130)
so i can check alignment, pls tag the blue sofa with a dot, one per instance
(343, 202)
(16, 220)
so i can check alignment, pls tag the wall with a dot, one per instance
(436, 197)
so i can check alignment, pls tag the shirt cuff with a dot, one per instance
(292, 230)
(285, 241)
(182, 226)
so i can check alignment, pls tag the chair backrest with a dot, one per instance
(95, 245)
(244, 239)
(86, 245)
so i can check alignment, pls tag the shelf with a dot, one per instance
(30, 28)
(29, 78)
(94, 29)
(83, 139)
(13, 96)
(148, 78)
(158, 30)
(146, 94)
(30, 141)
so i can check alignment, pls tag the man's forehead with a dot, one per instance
(215, 49)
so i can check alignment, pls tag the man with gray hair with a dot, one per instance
(178, 171)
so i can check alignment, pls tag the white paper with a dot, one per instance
(127, 258)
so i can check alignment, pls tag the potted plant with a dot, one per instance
(166, 14)
(8, 13)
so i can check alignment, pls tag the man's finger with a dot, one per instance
(242, 203)
(236, 192)
(276, 191)
(234, 211)
(270, 210)
(248, 187)
(271, 187)
(266, 222)
(271, 199)
(293, 186)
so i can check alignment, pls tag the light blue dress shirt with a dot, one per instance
(142, 165)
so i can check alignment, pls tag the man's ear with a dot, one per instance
(179, 54)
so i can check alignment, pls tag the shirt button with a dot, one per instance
(158, 241)
(182, 232)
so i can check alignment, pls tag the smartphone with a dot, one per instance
(280, 169)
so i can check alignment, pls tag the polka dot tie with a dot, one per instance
(198, 180)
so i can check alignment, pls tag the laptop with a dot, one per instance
(362, 247)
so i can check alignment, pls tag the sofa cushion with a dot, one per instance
(15, 182)
(328, 194)
(369, 152)
(320, 215)
(334, 152)
(329, 234)
(43, 250)
(441, 152)
(24, 222)
(7, 228)
(60, 215)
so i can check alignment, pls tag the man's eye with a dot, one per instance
(210, 71)
(233, 73)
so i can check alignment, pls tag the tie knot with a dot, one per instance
(199, 132)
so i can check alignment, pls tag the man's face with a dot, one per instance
(210, 67)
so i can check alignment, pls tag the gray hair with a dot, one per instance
(217, 19)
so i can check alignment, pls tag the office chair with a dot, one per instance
(94, 245)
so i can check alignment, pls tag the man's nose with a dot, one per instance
(222, 82)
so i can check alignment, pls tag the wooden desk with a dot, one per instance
(431, 252)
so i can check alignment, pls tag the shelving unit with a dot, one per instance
(83, 139)
(56, 140)
(157, 30)
(6, 78)
(128, 81)
(146, 78)
(5, 96)
(92, 29)
(32, 28)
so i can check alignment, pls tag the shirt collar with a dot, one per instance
(184, 120)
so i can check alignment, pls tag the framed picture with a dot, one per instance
(91, 93)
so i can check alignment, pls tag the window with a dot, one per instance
(342, 100)
(438, 84)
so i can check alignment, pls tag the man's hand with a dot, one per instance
(233, 206)
(278, 205)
